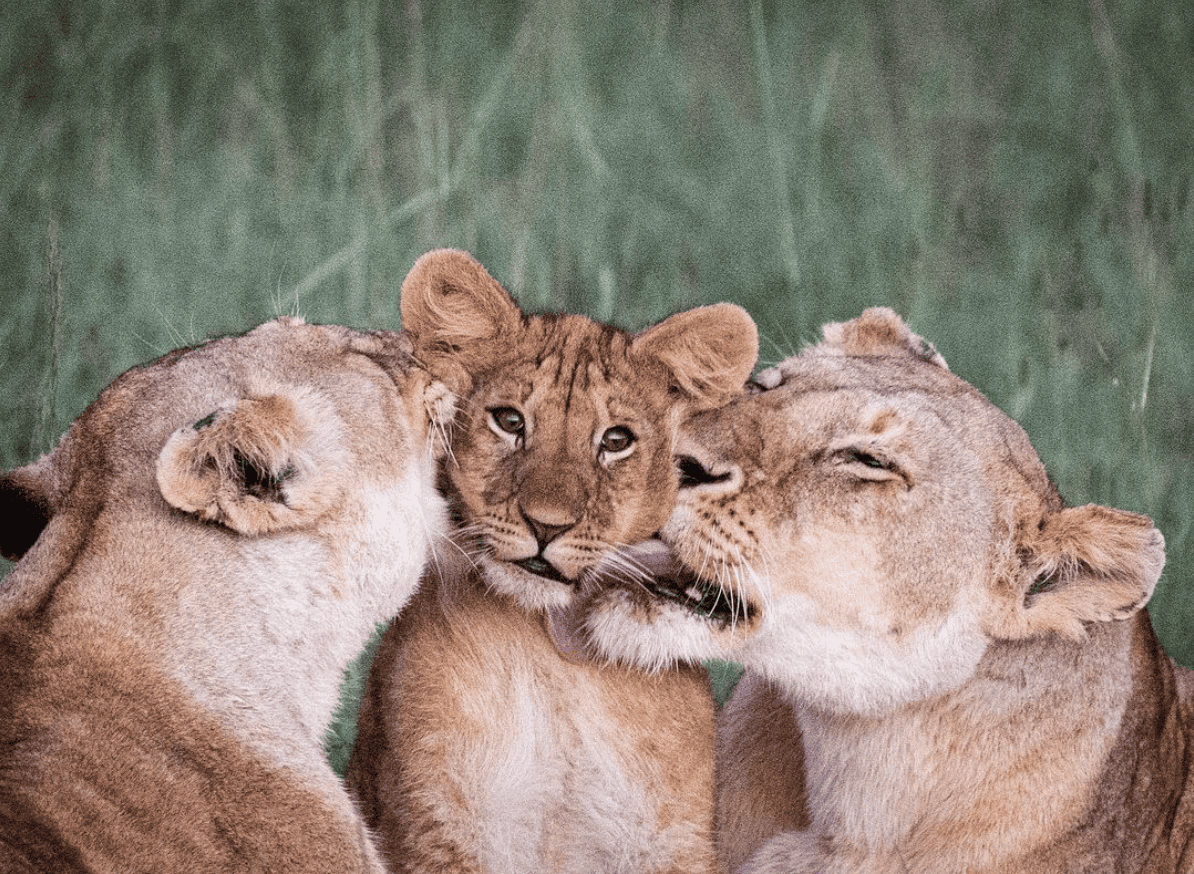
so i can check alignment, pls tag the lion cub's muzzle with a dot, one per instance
(541, 567)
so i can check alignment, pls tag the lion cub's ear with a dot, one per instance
(267, 463)
(1084, 564)
(451, 309)
(710, 351)
(878, 331)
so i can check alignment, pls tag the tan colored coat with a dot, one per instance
(958, 665)
(223, 529)
(490, 741)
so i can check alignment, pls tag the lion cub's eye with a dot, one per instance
(616, 439)
(508, 419)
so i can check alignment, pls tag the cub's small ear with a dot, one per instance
(261, 464)
(26, 506)
(878, 331)
(1083, 564)
(710, 352)
(452, 309)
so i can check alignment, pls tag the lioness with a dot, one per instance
(969, 660)
(489, 741)
(223, 529)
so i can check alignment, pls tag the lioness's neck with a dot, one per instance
(951, 775)
(298, 597)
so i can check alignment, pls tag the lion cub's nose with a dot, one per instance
(552, 500)
(546, 531)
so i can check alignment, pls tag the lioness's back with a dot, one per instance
(85, 758)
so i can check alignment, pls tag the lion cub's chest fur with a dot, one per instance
(537, 763)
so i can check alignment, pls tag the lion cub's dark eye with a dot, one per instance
(617, 439)
(508, 419)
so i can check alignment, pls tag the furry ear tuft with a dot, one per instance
(1085, 564)
(878, 331)
(266, 463)
(31, 495)
(25, 505)
(452, 308)
(710, 351)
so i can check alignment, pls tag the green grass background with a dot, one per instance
(1013, 178)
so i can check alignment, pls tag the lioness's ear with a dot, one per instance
(451, 308)
(26, 506)
(710, 351)
(1084, 564)
(256, 465)
(878, 331)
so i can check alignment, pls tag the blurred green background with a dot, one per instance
(1015, 179)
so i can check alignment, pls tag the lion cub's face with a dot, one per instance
(562, 446)
(560, 455)
(861, 533)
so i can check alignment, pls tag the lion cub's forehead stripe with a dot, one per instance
(575, 355)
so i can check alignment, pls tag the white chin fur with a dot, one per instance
(845, 670)
(674, 635)
(530, 592)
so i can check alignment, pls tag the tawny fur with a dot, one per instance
(961, 667)
(760, 772)
(488, 742)
(223, 529)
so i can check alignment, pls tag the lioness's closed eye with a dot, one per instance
(489, 740)
(948, 669)
(220, 532)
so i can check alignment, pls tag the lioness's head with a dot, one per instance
(864, 531)
(563, 441)
(291, 429)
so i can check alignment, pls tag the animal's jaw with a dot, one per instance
(543, 569)
(648, 609)
(652, 568)
(532, 583)
(705, 598)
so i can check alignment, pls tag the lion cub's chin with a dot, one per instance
(532, 592)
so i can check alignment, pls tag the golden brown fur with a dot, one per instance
(760, 770)
(489, 741)
(966, 662)
(223, 529)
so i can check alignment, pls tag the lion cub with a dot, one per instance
(969, 660)
(223, 529)
(488, 740)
